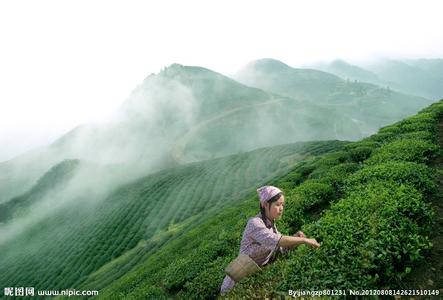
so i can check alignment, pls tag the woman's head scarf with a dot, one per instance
(267, 192)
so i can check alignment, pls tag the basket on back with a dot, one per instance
(241, 267)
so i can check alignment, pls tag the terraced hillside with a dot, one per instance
(92, 242)
(422, 77)
(368, 205)
(366, 106)
(414, 76)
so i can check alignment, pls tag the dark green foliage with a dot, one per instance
(394, 129)
(383, 137)
(306, 169)
(291, 180)
(325, 163)
(412, 150)
(106, 241)
(360, 154)
(147, 292)
(417, 126)
(417, 175)
(372, 219)
(376, 235)
(420, 135)
(337, 176)
(183, 270)
(420, 122)
(207, 283)
(435, 110)
(363, 143)
(305, 199)
(373, 236)
(312, 193)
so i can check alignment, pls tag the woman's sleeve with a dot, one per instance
(227, 285)
(263, 235)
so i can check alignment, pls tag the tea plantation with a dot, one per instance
(367, 203)
(90, 242)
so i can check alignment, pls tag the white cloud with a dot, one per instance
(69, 62)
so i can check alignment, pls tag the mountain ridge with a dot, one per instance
(169, 110)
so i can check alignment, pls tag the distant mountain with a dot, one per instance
(183, 114)
(158, 112)
(115, 143)
(348, 71)
(422, 77)
(275, 76)
(361, 105)
(53, 180)
(71, 181)
(186, 114)
(434, 65)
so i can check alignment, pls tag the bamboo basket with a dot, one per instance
(241, 267)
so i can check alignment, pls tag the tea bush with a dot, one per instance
(360, 154)
(420, 135)
(312, 192)
(412, 150)
(363, 143)
(377, 233)
(336, 177)
(382, 138)
(418, 175)
(147, 292)
(392, 129)
(372, 236)
(367, 205)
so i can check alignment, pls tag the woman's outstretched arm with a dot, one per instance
(287, 241)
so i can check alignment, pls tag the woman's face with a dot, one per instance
(276, 210)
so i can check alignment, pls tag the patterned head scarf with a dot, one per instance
(267, 192)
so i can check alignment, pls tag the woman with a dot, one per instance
(261, 239)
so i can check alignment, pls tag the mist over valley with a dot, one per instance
(185, 145)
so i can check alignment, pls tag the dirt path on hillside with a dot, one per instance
(179, 146)
(429, 275)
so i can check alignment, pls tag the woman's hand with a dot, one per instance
(312, 242)
(290, 242)
(300, 234)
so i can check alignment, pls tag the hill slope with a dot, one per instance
(349, 72)
(191, 110)
(55, 179)
(368, 204)
(186, 114)
(422, 77)
(365, 106)
(95, 239)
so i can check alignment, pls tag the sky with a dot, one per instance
(66, 63)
